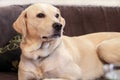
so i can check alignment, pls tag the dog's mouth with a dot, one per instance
(55, 35)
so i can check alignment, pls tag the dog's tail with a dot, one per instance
(109, 51)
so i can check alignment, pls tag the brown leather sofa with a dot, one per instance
(79, 20)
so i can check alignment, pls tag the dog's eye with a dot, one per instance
(57, 15)
(40, 15)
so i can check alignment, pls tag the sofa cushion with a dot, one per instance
(10, 55)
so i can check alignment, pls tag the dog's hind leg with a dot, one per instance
(109, 51)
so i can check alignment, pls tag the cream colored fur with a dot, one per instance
(64, 58)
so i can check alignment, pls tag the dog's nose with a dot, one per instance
(57, 26)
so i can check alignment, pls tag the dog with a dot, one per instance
(48, 54)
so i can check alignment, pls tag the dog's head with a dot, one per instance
(40, 20)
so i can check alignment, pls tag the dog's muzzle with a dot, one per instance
(57, 27)
(57, 30)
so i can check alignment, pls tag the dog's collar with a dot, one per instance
(42, 58)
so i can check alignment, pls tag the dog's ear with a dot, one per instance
(20, 24)
(62, 20)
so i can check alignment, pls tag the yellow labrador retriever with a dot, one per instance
(47, 54)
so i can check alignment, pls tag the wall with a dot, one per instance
(66, 2)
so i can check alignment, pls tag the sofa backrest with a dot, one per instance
(89, 19)
(79, 20)
(8, 15)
